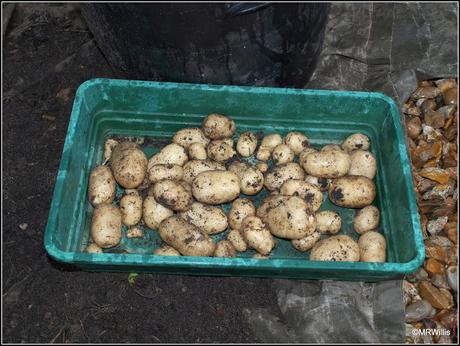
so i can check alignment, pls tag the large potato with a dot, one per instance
(277, 175)
(217, 126)
(131, 207)
(270, 202)
(256, 235)
(366, 219)
(102, 186)
(297, 141)
(291, 219)
(160, 172)
(363, 163)
(282, 154)
(372, 246)
(185, 237)
(241, 207)
(154, 213)
(129, 165)
(106, 226)
(352, 191)
(195, 167)
(166, 250)
(310, 193)
(356, 141)
(208, 219)
(328, 221)
(172, 195)
(247, 144)
(327, 164)
(237, 240)
(220, 150)
(224, 248)
(186, 137)
(305, 244)
(216, 187)
(172, 154)
(338, 248)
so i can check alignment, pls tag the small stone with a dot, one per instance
(434, 119)
(423, 185)
(414, 127)
(428, 105)
(452, 256)
(451, 133)
(448, 295)
(410, 293)
(452, 275)
(440, 241)
(431, 134)
(452, 234)
(418, 310)
(428, 92)
(439, 280)
(448, 206)
(433, 267)
(425, 83)
(419, 275)
(445, 84)
(436, 174)
(23, 226)
(437, 192)
(435, 226)
(447, 111)
(450, 96)
(433, 295)
(413, 111)
(436, 252)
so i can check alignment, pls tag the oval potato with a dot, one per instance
(171, 154)
(129, 165)
(277, 175)
(197, 151)
(216, 187)
(195, 167)
(304, 153)
(353, 191)
(305, 244)
(209, 219)
(270, 202)
(297, 141)
(241, 208)
(217, 126)
(247, 144)
(131, 207)
(262, 166)
(331, 147)
(366, 219)
(160, 172)
(372, 247)
(106, 226)
(172, 195)
(220, 150)
(282, 154)
(256, 235)
(327, 164)
(363, 163)
(237, 240)
(328, 221)
(310, 193)
(154, 213)
(102, 186)
(338, 248)
(186, 137)
(356, 141)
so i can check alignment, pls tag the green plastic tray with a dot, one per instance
(104, 108)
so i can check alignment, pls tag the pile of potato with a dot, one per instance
(178, 191)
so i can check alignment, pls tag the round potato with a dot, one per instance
(372, 247)
(185, 237)
(197, 151)
(241, 207)
(154, 213)
(220, 150)
(247, 144)
(363, 163)
(322, 183)
(269, 142)
(172, 195)
(366, 219)
(327, 164)
(172, 154)
(304, 153)
(209, 219)
(160, 172)
(310, 193)
(270, 202)
(102, 186)
(224, 248)
(251, 181)
(256, 235)
(277, 175)
(188, 136)
(356, 141)
(328, 222)
(195, 167)
(352, 191)
(237, 240)
(297, 141)
(263, 154)
(338, 248)
(217, 126)
(106, 226)
(131, 207)
(166, 250)
(216, 187)
(331, 147)
(129, 165)
(305, 244)
(291, 219)
(262, 166)
(93, 248)
(282, 154)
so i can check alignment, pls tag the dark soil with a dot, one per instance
(48, 53)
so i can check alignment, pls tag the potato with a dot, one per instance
(363, 163)
(270, 202)
(247, 144)
(166, 250)
(131, 207)
(209, 219)
(129, 165)
(251, 181)
(277, 175)
(172, 154)
(241, 207)
(263, 154)
(109, 145)
(160, 172)
(197, 151)
(216, 126)
(102, 186)
(297, 141)
(305, 244)
(356, 141)
(93, 248)
(291, 219)
(352, 191)
(269, 142)
(106, 226)
(304, 153)
(256, 235)
(153, 213)
(216, 187)
(262, 166)
(185, 237)
(366, 219)
(195, 167)
(322, 183)
(331, 147)
(188, 136)
(134, 232)
(172, 195)
(282, 154)
(237, 240)
(259, 256)
(372, 247)
(338, 248)
(220, 150)
(310, 193)
(327, 164)
(224, 248)
(328, 221)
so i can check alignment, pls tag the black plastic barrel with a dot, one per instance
(242, 44)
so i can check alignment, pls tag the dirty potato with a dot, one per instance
(305, 244)
(153, 213)
(322, 183)
(310, 193)
(216, 187)
(282, 154)
(172, 154)
(220, 150)
(372, 247)
(270, 202)
(224, 248)
(352, 191)
(172, 195)
(363, 163)
(197, 151)
(169, 171)
(166, 250)
(131, 207)
(237, 240)
(366, 219)
(256, 235)
(195, 167)
(277, 175)
(217, 126)
(328, 222)
(251, 181)
(356, 141)
(297, 141)
(338, 248)
(106, 226)
(188, 136)
(269, 142)
(247, 144)
(209, 219)
(102, 186)
(129, 165)
(327, 164)
(241, 207)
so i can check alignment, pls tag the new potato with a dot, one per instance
(247, 144)
(297, 141)
(129, 165)
(240, 209)
(220, 150)
(188, 136)
(338, 248)
(131, 207)
(197, 151)
(366, 219)
(209, 219)
(256, 235)
(166, 250)
(224, 248)
(161, 171)
(352, 191)
(305, 244)
(363, 163)
(172, 195)
(217, 126)
(372, 246)
(102, 186)
(237, 240)
(327, 163)
(195, 167)
(277, 175)
(282, 154)
(356, 141)
(172, 154)
(154, 213)
(328, 221)
(310, 193)
(106, 226)
(216, 187)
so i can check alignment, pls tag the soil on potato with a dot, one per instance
(48, 53)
